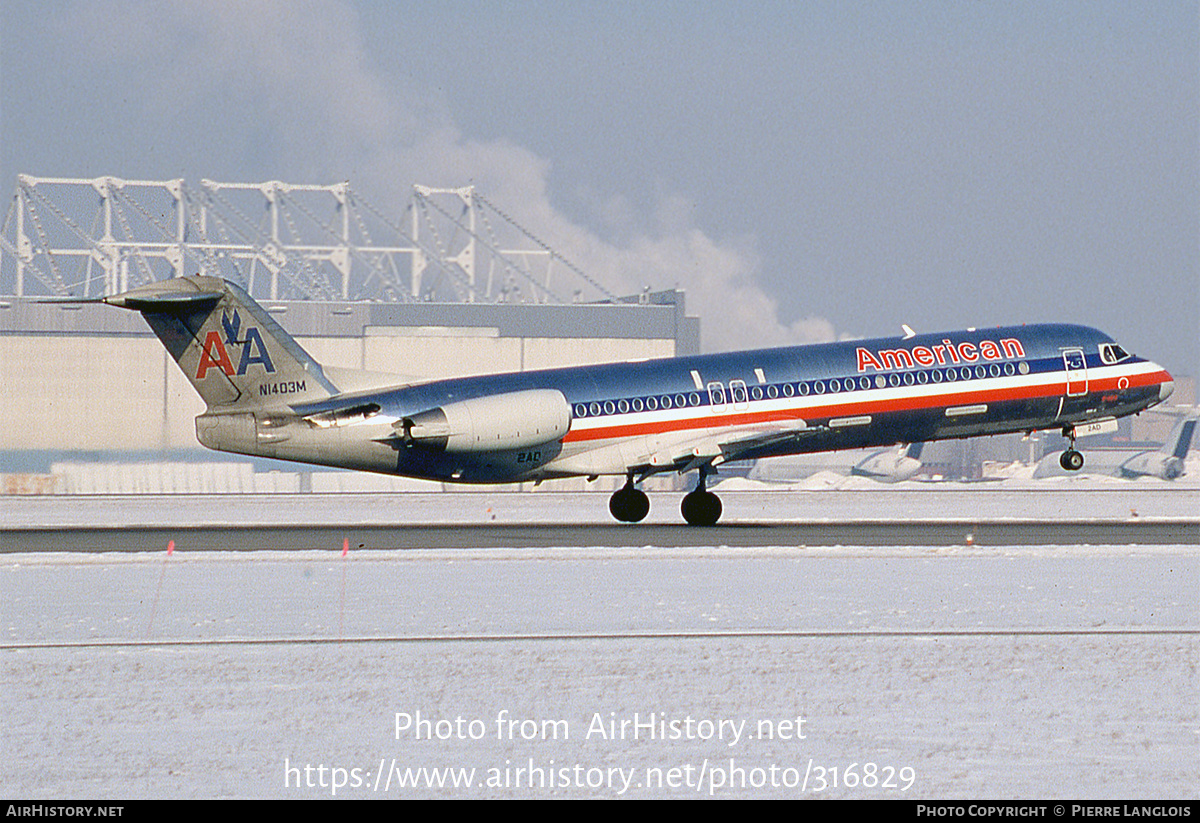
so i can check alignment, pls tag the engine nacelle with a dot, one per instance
(498, 422)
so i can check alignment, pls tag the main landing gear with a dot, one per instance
(701, 507)
(629, 504)
(1071, 460)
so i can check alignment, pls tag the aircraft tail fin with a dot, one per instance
(230, 349)
(1186, 429)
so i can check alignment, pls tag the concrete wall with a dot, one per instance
(80, 393)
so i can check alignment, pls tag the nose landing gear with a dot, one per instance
(1071, 460)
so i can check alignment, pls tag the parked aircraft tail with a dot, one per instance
(1186, 430)
(1168, 462)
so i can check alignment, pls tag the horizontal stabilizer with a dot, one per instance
(169, 296)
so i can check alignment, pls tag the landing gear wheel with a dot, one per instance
(701, 508)
(1071, 460)
(629, 504)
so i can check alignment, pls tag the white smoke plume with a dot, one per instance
(291, 86)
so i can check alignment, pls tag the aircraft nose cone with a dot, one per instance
(1165, 388)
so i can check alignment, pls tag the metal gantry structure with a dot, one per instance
(84, 238)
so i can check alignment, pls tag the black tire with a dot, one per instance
(1071, 460)
(629, 505)
(701, 508)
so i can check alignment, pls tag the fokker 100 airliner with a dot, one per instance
(266, 396)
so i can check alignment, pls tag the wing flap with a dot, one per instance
(716, 447)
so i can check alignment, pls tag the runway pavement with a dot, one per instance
(949, 532)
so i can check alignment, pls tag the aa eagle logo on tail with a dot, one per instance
(214, 353)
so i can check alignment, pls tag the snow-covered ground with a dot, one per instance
(842, 672)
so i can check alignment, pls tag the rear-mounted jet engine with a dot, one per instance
(500, 422)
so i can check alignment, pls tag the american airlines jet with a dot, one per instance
(266, 396)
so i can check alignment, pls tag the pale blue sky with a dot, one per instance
(803, 169)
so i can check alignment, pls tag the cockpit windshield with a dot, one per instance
(1112, 353)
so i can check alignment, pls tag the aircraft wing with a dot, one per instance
(714, 448)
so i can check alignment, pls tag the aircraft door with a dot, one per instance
(739, 395)
(1076, 366)
(716, 397)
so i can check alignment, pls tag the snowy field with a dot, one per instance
(1019, 672)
